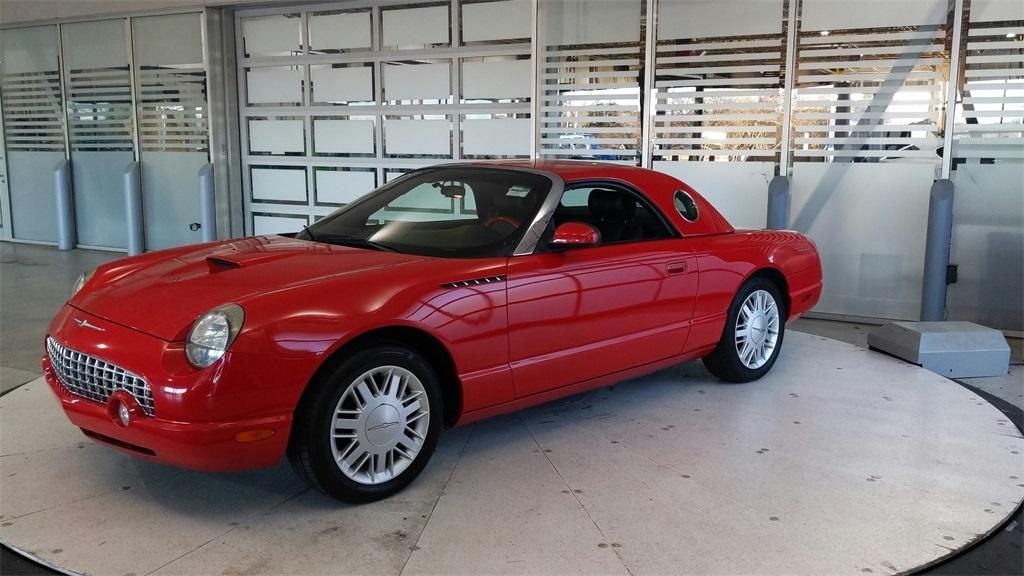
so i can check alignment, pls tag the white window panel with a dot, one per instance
(274, 85)
(277, 224)
(346, 84)
(417, 81)
(711, 18)
(346, 31)
(407, 137)
(276, 136)
(838, 15)
(278, 185)
(343, 186)
(571, 22)
(168, 39)
(496, 137)
(272, 35)
(343, 136)
(996, 10)
(504, 20)
(98, 44)
(30, 49)
(416, 27)
(496, 79)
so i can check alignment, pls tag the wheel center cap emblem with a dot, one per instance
(759, 326)
(382, 427)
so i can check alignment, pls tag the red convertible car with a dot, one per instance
(450, 294)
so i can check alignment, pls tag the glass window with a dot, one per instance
(620, 215)
(686, 206)
(447, 212)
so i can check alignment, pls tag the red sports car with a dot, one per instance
(450, 294)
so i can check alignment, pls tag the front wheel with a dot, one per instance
(753, 334)
(368, 429)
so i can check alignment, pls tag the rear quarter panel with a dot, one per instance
(726, 261)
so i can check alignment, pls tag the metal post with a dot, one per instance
(648, 101)
(133, 208)
(65, 206)
(948, 123)
(778, 203)
(207, 204)
(788, 83)
(936, 251)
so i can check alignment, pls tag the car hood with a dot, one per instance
(163, 293)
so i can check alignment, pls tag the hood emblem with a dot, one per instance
(87, 324)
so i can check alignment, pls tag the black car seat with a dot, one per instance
(613, 213)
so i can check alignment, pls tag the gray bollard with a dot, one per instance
(65, 206)
(133, 209)
(778, 203)
(207, 204)
(936, 251)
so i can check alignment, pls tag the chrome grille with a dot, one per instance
(95, 379)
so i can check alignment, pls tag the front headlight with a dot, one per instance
(212, 334)
(82, 279)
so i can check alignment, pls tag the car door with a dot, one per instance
(586, 312)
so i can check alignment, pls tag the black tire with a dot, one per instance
(309, 447)
(724, 362)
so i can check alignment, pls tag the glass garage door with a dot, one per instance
(105, 94)
(335, 102)
(33, 128)
(867, 109)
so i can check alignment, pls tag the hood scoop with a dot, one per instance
(221, 264)
(230, 261)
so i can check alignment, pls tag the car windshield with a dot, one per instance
(457, 212)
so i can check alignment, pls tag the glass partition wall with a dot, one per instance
(104, 94)
(33, 122)
(861, 109)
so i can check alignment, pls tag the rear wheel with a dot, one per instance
(753, 333)
(368, 429)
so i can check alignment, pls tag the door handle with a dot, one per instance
(677, 267)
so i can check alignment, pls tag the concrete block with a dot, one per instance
(952, 349)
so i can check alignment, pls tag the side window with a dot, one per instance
(575, 197)
(619, 214)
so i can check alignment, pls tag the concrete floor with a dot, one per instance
(35, 281)
(1009, 387)
(839, 461)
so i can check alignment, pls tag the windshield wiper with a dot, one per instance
(309, 233)
(357, 243)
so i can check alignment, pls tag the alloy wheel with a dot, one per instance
(757, 329)
(379, 425)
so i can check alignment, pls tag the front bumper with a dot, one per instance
(198, 414)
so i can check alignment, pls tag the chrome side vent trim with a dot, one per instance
(473, 282)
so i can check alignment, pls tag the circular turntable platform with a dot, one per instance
(839, 461)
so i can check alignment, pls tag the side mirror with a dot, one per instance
(573, 234)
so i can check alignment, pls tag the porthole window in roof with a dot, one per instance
(686, 206)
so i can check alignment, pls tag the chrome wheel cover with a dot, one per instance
(379, 425)
(757, 329)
